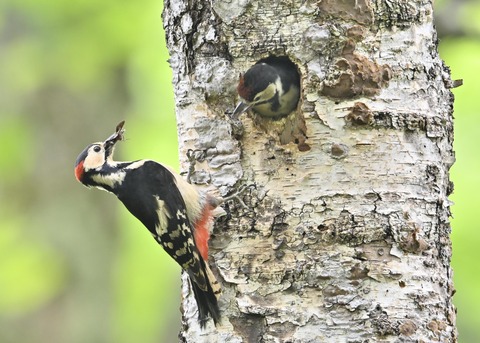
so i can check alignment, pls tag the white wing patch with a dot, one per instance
(163, 217)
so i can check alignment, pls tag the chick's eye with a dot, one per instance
(97, 148)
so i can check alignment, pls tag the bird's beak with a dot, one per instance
(241, 107)
(109, 143)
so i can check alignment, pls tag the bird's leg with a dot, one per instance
(193, 156)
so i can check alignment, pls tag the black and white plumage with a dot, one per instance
(271, 88)
(175, 212)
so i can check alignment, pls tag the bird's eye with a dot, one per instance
(97, 148)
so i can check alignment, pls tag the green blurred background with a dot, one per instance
(74, 265)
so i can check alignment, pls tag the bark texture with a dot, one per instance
(342, 231)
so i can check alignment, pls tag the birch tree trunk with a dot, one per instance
(342, 231)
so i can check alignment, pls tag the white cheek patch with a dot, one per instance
(269, 92)
(93, 161)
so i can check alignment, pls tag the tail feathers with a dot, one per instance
(207, 299)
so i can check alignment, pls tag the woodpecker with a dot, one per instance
(271, 88)
(177, 214)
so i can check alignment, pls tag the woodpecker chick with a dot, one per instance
(271, 88)
(177, 214)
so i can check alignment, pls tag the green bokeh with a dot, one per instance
(25, 283)
(462, 55)
(74, 265)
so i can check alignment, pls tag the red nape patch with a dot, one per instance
(244, 91)
(79, 171)
(202, 231)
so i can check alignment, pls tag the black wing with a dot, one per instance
(150, 193)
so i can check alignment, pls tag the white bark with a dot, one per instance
(346, 234)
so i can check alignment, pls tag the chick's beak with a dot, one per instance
(241, 107)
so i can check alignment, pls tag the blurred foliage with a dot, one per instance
(74, 265)
(460, 54)
(459, 31)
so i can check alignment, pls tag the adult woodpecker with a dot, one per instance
(175, 212)
(271, 88)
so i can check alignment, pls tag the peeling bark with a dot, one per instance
(342, 231)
